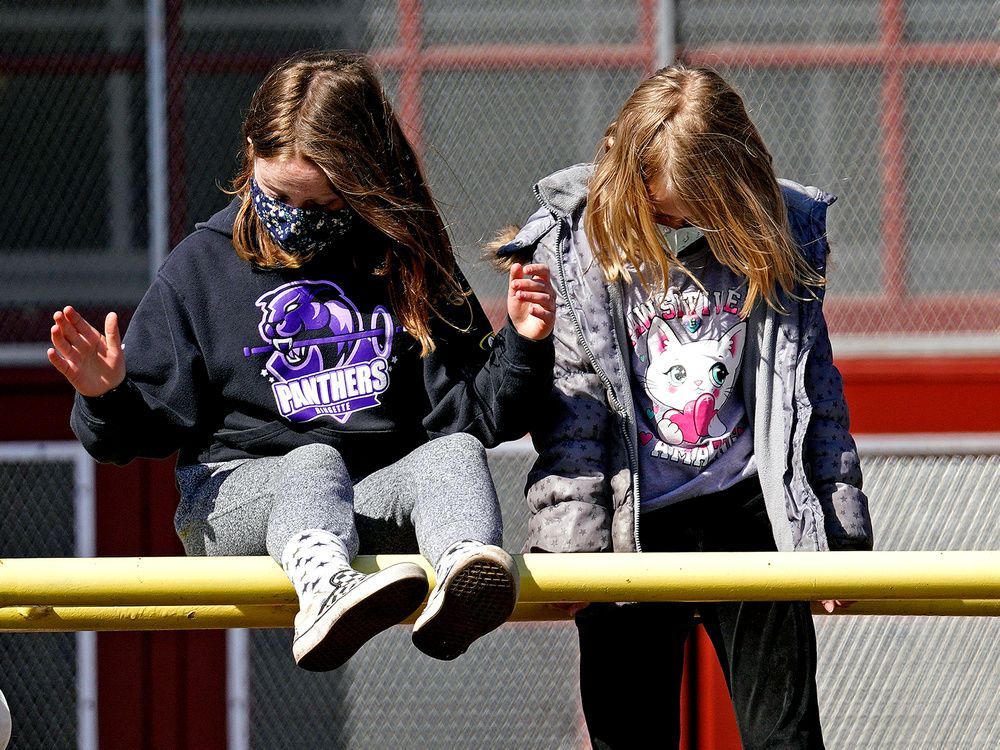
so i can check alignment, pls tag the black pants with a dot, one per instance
(631, 656)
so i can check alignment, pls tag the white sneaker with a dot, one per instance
(475, 592)
(331, 626)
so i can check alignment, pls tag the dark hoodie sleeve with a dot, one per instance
(481, 383)
(159, 405)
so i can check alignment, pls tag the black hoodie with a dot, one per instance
(225, 361)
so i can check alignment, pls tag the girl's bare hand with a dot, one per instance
(92, 363)
(571, 608)
(531, 300)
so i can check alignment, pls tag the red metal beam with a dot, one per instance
(885, 394)
(71, 64)
(937, 313)
(647, 32)
(176, 151)
(500, 56)
(411, 69)
(893, 155)
(843, 55)
(232, 62)
(862, 314)
(496, 56)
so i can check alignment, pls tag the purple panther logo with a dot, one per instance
(323, 360)
(294, 314)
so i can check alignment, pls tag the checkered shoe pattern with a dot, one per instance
(331, 626)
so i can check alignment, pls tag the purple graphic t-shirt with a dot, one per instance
(686, 355)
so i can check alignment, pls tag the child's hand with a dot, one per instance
(570, 608)
(92, 363)
(531, 300)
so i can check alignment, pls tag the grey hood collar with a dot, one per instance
(564, 192)
(561, 195)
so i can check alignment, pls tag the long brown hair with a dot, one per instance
(689, 126)
(330, 109)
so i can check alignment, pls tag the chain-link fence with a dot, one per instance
(918, 682)
(49, 679)
(116, 143)
(885, 682)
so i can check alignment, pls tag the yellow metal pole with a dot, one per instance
(761, 576)
(143, 581)
(219, 616)
(160, 617)
(724, 576)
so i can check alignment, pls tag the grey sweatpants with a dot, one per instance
(439, 494)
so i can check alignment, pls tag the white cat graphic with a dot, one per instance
(690, 381)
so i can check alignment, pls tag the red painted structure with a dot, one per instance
(162, 689)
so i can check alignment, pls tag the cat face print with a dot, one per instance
(689, 382)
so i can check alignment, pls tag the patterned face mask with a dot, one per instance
(300, 231)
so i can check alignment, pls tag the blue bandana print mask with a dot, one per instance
(300, 230)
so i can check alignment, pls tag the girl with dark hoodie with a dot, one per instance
(326, 374)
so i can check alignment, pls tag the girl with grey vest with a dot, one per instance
(325, 374)
(695, 407)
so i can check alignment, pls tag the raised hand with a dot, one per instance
(92, 363)
(531, 300)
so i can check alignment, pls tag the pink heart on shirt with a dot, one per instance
(704, 412)
(696, 418)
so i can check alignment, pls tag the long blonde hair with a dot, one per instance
(330, 109)
(689, 126)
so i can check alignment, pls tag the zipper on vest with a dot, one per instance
(615, 403)
(633, 453)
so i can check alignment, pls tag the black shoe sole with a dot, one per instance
(479, 598)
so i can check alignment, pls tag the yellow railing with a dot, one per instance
(167, 593)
